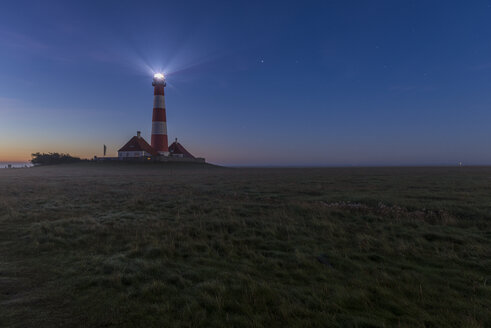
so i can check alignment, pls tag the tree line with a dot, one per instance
(53, 158)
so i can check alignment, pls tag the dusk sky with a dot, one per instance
(251, 82)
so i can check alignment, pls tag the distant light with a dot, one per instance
(158, 76)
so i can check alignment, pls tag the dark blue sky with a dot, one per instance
(251, 83)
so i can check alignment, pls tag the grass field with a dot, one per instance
(189, 246)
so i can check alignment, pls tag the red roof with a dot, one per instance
(138, 144)
(178, 149)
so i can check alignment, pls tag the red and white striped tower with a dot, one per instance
(159, 121)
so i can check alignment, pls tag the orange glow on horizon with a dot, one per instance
(17, 154)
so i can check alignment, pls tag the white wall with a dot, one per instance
(125, 154)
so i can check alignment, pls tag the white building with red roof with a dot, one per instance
(178, 150)
(136, 147)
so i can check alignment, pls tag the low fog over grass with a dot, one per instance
(185, 246)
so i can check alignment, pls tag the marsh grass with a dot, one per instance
(164, 246)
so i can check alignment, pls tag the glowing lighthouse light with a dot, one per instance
(159, 122)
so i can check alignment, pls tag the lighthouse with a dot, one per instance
(137, 149)
(159, 122)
